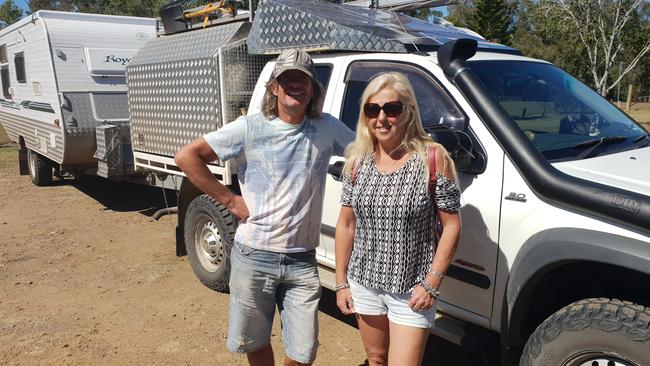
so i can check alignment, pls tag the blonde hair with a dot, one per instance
(416, 138)
(314, 108)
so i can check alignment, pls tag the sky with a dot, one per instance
(20, 3)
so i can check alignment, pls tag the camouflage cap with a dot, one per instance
(294, 59)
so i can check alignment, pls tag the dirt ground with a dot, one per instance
(87, 277)
(641, 113)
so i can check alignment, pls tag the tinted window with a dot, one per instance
(19, 62)
(561, 116)
(435, 105)
(323, 73)
(5, 82)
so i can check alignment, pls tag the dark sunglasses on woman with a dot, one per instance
(392, 109)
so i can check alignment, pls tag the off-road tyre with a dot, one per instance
(209, 232)
(600, 332)
(40, 169)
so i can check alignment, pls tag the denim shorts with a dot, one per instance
(369, 301)
(260, 281)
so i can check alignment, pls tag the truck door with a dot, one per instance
(467, 291)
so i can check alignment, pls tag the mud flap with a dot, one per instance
(22, 161)
(180, 242)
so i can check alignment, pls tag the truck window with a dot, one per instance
(435, 105)
(561, 116)
(19, 62)
(323, 73)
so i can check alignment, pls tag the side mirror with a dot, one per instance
(460, 146)
(336, 170)
(474, 163)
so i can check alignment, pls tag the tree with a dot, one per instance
(60, 5)
(492, 19)
(459, 13)
(424, 14)
(9, 13)
(607, 29)
(537, 36)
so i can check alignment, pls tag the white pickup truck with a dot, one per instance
(554, 257)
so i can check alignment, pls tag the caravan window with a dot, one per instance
(19, 61)
(4, 72)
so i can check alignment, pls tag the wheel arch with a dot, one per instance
(557, 267)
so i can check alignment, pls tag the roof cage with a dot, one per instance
(321, 26)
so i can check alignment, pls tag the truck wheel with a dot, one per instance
(40, 169)
(209, 232)
(592, 332)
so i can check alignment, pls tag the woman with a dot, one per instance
(386, 271)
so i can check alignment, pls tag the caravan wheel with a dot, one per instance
(40, 169)
(209, 231)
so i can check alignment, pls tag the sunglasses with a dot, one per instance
(392, 109)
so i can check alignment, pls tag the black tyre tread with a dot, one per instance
(607, 315)
(43, 170)
(230, 222)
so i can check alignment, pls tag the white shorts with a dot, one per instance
(369, 301)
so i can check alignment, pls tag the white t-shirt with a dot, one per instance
(282, 172)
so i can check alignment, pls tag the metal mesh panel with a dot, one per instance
(239, 72)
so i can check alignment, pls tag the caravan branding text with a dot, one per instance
(122, 60)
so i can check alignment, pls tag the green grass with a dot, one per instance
(4, 139)
(8, 157)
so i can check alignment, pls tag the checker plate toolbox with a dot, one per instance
(189, 82)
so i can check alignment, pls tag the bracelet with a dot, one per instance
(432, 291)
(341, 286)
(438, 274)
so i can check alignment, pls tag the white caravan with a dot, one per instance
(64, 89)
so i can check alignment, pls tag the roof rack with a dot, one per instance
(326, 26)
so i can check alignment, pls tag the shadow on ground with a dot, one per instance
(124, 196)
(438, 352)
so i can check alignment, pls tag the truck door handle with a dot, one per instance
(336, 170)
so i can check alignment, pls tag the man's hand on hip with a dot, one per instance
(238, 207)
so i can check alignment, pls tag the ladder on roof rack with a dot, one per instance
(176, 20)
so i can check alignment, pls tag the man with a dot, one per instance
(283, 155)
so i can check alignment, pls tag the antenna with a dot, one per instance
(404, 29)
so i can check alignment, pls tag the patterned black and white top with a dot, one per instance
(394, 239)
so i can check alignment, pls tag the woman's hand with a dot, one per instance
(344, 301)
(420, 299)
